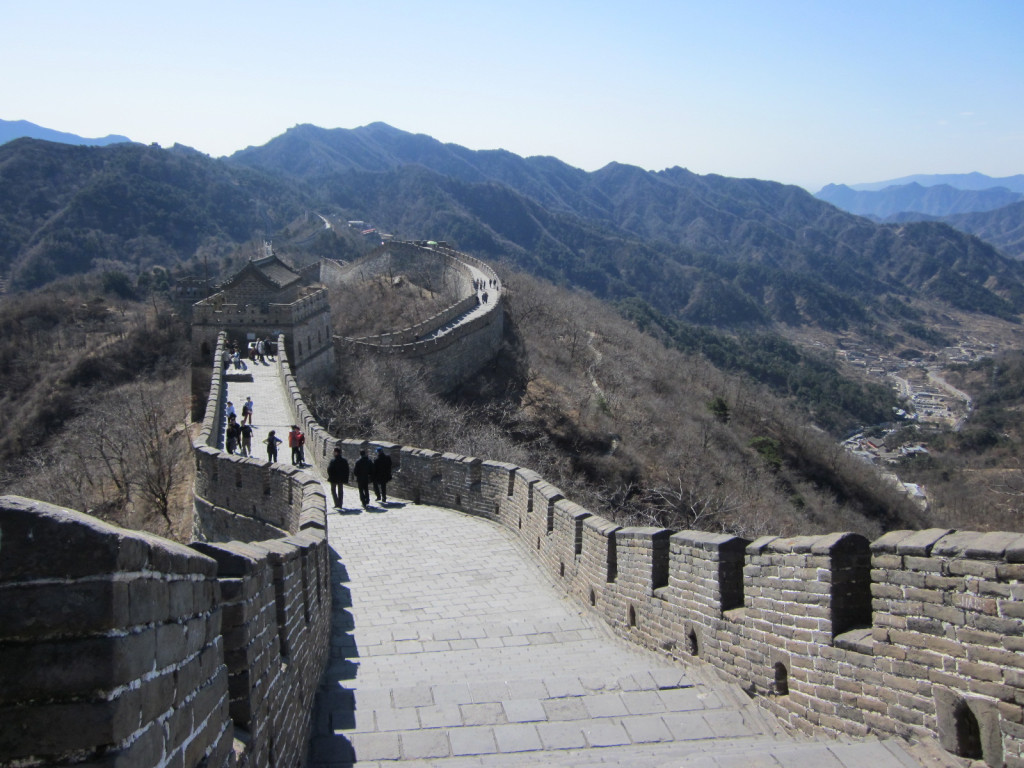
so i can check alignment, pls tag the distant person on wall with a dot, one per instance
(261, 350)
(230, 411)
(247, 411)
(246, 434)
(337, 474)
(363, 471)
(296, 440)
(381, 475)
(272, 442)
(234, 433)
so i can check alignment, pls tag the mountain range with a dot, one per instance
(706, 249)
(980, 205)
(17, 129)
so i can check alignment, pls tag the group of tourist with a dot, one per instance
(258, 351)
(238, 434)
(377, 472)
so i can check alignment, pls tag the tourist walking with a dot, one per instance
(272, 442)
(246, 434)
(337, 474)
(381, 475)
(247, 411)
(363, 471)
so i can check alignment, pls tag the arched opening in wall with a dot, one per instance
(416, 496)
(692, 646)
(967, 732)
(632, 617)
(238, 479)
(780, 685)
(458, 500)
(561, 569)
(593, 597)
(204, 349)
(497, 511)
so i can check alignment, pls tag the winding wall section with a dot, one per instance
(455, 343)
(120, 648)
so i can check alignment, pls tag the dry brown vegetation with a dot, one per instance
(387, 303)
(95, 407)
(624, 426)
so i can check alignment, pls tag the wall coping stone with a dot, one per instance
(601, 525)
(920, 543)
(887, 543)
(500, 465)
(760, 544)
(708, 540)
(651, 533)
(78, 545)
(572, 509)
(234, 558)
(845, 541)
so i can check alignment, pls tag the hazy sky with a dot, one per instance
(800, 92)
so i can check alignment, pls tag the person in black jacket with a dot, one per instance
(363, 470)
(381, 475)
(337, 474)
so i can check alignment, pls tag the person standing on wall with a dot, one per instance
(293, 443)
(245, 432)
(247, 411)
(337, 474)
(234, 434)
(381, 475)
(272, 442)
(363, 471)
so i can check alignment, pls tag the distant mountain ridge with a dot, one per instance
(969, 181)
(709, 249)
(702, 249)
(17, 129)
(936, 200)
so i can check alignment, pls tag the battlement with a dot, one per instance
(917, 634)
(448, 354)
(118, 647)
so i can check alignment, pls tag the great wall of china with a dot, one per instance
(121, 648)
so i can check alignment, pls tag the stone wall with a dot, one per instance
(917, 634)
(448, 359)
(306, 321)
(120, 648)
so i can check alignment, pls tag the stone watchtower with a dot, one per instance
(265, 298)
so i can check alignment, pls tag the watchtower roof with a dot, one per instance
(269, 269)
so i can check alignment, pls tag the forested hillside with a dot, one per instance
(68, 209)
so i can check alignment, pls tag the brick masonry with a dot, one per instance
(159, 654)
(120, 648)
(918, 634)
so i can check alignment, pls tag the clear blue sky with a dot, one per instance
(800, 92)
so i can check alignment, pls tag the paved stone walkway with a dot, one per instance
(451, 648)
(270, 412)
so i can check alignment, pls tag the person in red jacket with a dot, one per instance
(296, 441)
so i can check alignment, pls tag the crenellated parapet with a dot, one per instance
(917, 634)
(453, 344)
(118, 647)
